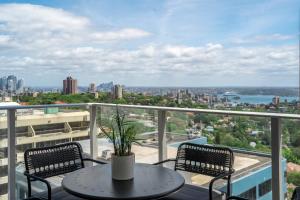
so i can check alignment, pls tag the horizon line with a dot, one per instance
(149, 86)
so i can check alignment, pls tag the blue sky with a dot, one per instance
(151, 42)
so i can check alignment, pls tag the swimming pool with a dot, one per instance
(200, 140)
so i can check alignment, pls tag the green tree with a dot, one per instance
(293, 178)
(218, 138)
(290, 155)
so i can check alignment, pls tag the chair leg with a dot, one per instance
(228, 187)
(29, 186)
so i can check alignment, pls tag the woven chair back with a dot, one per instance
(204, 159)
(55, 160)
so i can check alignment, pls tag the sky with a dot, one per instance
(151, 42)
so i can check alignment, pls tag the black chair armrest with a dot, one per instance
(36, 178)
(221, 176)
(95, 161)
(236, 198)
(164, 161)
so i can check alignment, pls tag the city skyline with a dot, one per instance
(151, 43)
(98, 83)
(11, 84)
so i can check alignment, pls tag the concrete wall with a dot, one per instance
(40, 119)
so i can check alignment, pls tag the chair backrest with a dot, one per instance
(55, 160)
(204, 159)
(296, 194)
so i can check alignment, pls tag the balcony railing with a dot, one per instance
(275, 119)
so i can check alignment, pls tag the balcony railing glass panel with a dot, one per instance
(3, 155)
(161, 136)
(145, 122)
(291, 152)
(249, 137)
(46, 127)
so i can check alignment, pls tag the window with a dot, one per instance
(265, 187)
(3, 152)
(3, 170)
(3, 189)
(249, 194)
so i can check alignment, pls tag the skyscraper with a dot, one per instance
(10, 86)
(276, 100)
(70, 85)
(92, 88)
(11, 83)
(117, 92)
(3, 83)
(20, 85)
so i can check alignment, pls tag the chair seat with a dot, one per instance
(191, 192)
(58, 193)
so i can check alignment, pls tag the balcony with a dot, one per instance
(162, 130)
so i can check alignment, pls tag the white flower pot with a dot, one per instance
(122, 167)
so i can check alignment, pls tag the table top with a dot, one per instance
(150, 181)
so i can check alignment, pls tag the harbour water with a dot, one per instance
(260, 99)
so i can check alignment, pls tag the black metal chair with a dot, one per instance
(235, 198)
(296, 194)
(208, 160)
(45, 162)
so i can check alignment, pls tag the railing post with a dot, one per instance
(277, 193)
(11, 144)
(93, 131)
(162, 142)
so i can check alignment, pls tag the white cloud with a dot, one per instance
(121, 34)
(32, 26)
(4, 40)
(263, 38)
(182, 59)
(27, 17)
(47, 40)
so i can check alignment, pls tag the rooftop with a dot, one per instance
(244, 163)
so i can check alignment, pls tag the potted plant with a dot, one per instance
(122, 134)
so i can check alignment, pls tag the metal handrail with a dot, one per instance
(44, 106)
(174, 109)
(162, 144)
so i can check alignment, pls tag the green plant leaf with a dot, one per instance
(123, 133)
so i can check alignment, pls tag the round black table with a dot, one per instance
(150, 182)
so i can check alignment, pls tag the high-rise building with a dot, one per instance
(92, 88)
(11, 83)
(20, 85)
(276, 100)
(10, 86)
(70, 85)
(179, 97)
(3, 83)
(117, 92)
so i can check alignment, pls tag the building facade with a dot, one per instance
(38, 128)
(117, 92)
(276, 100)
(92, 88)
(70, 85)
(20, 85)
